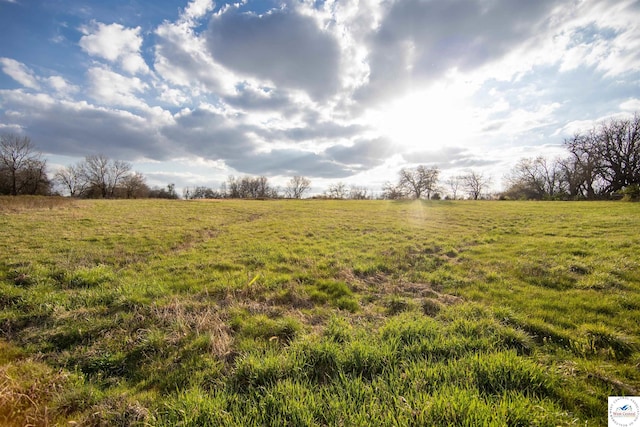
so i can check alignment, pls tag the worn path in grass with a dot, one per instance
(317, 312)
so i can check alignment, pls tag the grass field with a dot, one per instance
(317, 312)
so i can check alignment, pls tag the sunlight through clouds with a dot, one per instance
(351, 90)
(427, 119)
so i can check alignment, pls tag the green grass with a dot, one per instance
(310, 312)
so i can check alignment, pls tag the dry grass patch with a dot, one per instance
(182, 319)
(28, 390)
(15, 204)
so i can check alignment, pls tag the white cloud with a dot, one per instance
(111, 88)
(520, 121)
(114, 42)
(196, 10)
(632, 105)
(338, 88)
(20, 73)
(61, 86)
(181, 58)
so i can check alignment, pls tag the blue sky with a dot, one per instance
(349, 90)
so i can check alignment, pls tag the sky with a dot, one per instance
(190, 92)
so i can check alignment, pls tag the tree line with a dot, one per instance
(99, 177)
(602, 163)
(23, 171)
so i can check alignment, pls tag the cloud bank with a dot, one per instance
(328, 90)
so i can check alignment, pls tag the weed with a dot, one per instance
(431, 307)
(602, 340)
(396, 304)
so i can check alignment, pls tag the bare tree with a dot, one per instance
(72, 179)
(103, 175)
(202, 192)
(168, 192)
(475, 183)
(250, 188)
(619, 151)
(134, 186)
(337, 191)
(585, 163)
(22, 171)
(605, 159)
(419, 182)
(392, 191)
(535, 178)
(455, 184)
(297, 186)
(359, 193)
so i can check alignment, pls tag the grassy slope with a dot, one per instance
(317, 312)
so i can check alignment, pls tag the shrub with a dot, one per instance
(631, 193)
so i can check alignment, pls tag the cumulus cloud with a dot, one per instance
(110, 88)
(631, 105)
(610, 46)
(196, 9)
(282, 47)
(20, 73)
(363, 154)
(259, 99)
(79, 128)
(208, 133)
(182, 59)
(334, 89)
(115, 43)
(61, 86)
(418, 41)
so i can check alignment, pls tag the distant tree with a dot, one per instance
(619, 152)
(168, 192)
(337, 191)
(604, 160)
(359, 193)
(419, 182)
(584, 165)
(475, 184)
(22, 171)
(297, 186)
(535, 178)
(72, 180)
(103, 175)
(251, 188)
(391, 191)
(202, 192)
(571, 178)
(134, 186)
(454, 184)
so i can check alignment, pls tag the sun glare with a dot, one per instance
(425, 120)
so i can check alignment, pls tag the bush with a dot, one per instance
(631, 193)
